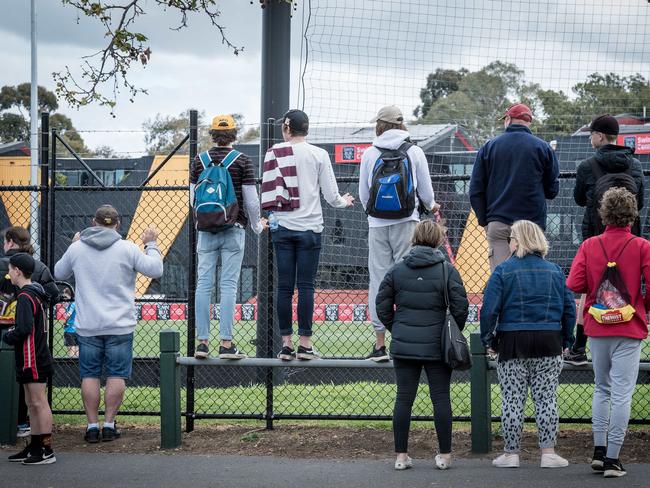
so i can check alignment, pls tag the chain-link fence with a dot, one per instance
(341, 322)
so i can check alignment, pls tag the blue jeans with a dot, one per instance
(296, 257)
(228, 244)
(112, 352)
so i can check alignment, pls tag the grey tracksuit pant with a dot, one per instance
(616, 368)
(386, 246)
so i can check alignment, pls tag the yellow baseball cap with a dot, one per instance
(223, 122)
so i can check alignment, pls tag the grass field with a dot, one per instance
(351, 339)
(332, 339)
(363, 398)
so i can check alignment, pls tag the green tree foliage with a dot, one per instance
(14, 111)
(478, 99)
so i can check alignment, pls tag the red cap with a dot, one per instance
(519, 111)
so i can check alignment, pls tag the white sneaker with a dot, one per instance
(401, 464)
(443, 462)
(506, 460)
(553, 461)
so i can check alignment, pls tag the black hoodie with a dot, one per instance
(612, 159)
(411, 304)
(29, 336)
(40, 275)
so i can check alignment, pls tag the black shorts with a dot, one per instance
(24, 377)
(70, 339)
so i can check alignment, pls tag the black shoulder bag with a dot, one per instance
(454, 348)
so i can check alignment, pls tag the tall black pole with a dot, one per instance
(276, 52)
(45, 189)
(191, 292)
(51, 244)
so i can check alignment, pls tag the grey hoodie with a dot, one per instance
(392, 139)
(105, 268)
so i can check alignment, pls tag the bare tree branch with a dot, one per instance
(105, 73)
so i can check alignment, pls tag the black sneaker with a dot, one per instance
(287, 353)
(307, 353)
(613, 468)
(378, 355)
(598, 459)
(110, 434)
(92, 436)
(46, 456)
(231, 352)
(577, 358)
(20, 456)
(202, 351)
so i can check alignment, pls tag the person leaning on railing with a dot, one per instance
(411, 304)
(615, 344)
(528, 316)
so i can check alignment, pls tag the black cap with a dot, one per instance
(605, 124)
(297, 121)
(24, 262)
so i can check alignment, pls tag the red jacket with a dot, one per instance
(587, 270)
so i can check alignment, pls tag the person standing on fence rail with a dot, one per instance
(610, 166)
(411, 305)
(219, 236)
(18, 239)
(33, 358)
(394, 185)
(609, 269)
(295, 173)
(527, 318)
(105, 268)
(513, 176)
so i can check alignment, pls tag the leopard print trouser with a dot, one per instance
(542, 375)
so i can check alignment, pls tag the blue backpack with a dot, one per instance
(215, 202)
(392, 192)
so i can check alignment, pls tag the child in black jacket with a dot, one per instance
(33, 359)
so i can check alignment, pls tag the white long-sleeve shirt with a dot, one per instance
(392, 139)
(315, 176)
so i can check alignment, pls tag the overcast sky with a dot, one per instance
(362, 54)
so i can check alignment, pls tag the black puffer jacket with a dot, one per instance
(612, 159)
(41, 275)
(411, 304)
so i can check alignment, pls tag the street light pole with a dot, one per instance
(33, 139)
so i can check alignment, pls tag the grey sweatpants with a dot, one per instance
(498, 248)
(616, 368)
(386, 246)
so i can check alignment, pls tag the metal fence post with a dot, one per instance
(51, 212)
(45, 189)
(191, 283)
(170, 390)
(481, 397)
(8, 394)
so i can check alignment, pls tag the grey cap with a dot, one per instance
(390, 113)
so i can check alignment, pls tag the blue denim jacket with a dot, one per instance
(527, 293)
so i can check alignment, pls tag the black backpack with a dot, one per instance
(605, 181)
(392, 192)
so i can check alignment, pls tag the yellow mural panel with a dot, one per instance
(14, 170)
(166, 210)
(472, 256)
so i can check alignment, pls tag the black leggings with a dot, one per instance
(407, 373)
(23, 416)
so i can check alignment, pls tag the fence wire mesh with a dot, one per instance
(453, 67)
(342, 329)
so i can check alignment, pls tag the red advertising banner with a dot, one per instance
(349, 153)
(639, 142)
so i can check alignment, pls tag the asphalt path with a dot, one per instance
(195, 471)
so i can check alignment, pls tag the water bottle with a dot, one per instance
(273, 221)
